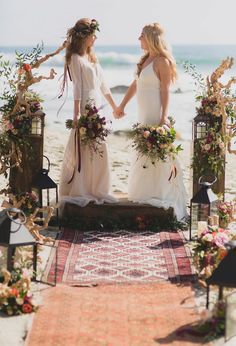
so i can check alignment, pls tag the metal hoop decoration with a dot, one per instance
(15, 210)
(200, 182)
(49, 164)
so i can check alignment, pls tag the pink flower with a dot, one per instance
(206, 231)
(9, 126)
(146, 134)
(221, 239)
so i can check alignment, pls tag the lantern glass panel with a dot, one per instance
(230, 317)
(3, 256)
(36, 127)
(201, 130)
(201, 212)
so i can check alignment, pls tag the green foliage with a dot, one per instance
(199, 80)
(29, 58)
(16, 126)
(129, 223)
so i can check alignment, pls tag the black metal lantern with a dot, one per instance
(43, 182)
(225, 274)
(204, 201)
(13, 233)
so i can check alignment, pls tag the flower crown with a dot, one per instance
(88, 30)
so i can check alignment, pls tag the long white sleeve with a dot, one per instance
(76, 75)
(104, 88)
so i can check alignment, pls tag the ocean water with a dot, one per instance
(119, 64)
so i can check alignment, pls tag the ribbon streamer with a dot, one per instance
(173, 172)
(78, 145)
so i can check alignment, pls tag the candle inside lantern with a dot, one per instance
(201, 226)
(216, 220)
(36, 126)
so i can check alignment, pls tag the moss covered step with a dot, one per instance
(121, 215)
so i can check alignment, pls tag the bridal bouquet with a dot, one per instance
(155, 142)
(91, 126)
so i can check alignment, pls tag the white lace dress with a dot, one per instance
(151, 185)
(92, 183)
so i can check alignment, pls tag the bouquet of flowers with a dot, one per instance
(210, 151)
(92, 127)
(155, 142)
(15, 296)
(210, 249)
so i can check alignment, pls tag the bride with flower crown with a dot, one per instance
(84, 179)
(154, 184)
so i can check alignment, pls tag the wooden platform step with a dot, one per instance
(123, 215)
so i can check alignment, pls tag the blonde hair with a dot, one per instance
(153, 34)
(76, 42)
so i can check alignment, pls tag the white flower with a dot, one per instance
(207, 147)
(208, 237)
(82, 131)
(160, 130)
(20, 301)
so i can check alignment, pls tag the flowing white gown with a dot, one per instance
(92, 183)
(151, 185)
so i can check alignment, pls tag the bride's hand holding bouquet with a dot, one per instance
(91, 126)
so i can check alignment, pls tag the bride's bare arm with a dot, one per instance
(109, 98)
(162, 68)
(128, 96)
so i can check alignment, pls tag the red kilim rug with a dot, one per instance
(99, 257)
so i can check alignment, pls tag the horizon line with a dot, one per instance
(125, 44)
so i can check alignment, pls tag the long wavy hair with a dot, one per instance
(75, 44)
(154, 36)
(76, 41)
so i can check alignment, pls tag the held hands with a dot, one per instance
(118, 112)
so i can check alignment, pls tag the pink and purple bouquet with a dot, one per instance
(91, 126)
(155, 142)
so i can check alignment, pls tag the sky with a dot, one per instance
(121, 21)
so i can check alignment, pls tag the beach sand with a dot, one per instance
(120, 153)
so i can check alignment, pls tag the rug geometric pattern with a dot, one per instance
(99, 257)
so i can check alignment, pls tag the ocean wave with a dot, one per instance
(106, 59)
(204, 57)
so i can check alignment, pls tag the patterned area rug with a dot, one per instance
(99, 257)
(115, 315)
